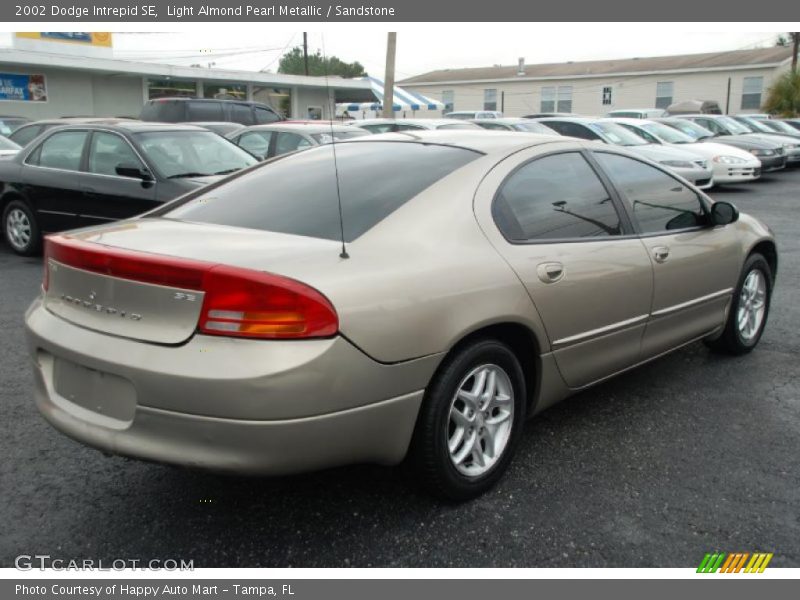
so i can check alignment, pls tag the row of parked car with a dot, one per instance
(66, 173)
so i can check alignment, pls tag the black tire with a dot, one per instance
(429, 456)
(732, 341)
(34, 241)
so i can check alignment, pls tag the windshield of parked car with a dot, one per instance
(533, 127)
(327, 137)
(176, 154)
(692, 129)
(667, 134)
(297, 194)
(733, 125)
(617, 134)
(758, 126)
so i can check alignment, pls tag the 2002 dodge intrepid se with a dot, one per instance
(486, 276)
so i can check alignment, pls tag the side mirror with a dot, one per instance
(723, 213)
(134, 171)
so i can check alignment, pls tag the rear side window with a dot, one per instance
(297, 194)
(572, 130)
(62, 150)
(265, 116)
(164, 111)
(205, 111)
(242, 113)
(555, 197)
(256, 142)
(659, 202)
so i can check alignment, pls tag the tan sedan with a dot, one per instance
(473, 280)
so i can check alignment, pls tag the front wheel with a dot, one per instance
(470, 421)
(749, 309)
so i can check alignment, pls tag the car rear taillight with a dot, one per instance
(237, 302)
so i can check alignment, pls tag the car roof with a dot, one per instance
(135, 126)
(503, 120)
(582, 120)
(74, 120)
(303, 127)
(479, 140)
(626, 120)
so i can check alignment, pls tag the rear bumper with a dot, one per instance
(254, 408)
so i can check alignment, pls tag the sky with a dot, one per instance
(426, 47)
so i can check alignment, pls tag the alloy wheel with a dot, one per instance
(752, 305)
(18, 228)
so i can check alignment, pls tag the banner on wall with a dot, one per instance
(93, 38)
(27, 88)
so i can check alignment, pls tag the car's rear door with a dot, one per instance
(695, 265)
(52, 179)
(108, 196)
(556, 222)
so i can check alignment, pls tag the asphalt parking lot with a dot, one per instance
(689, 454)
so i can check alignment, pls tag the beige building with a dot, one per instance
(737, 80)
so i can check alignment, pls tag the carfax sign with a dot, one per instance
(28, 88)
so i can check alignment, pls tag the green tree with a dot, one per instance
(292, 63)
(783, 97)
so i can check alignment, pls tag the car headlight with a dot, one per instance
(729, 160)
(680, 164)
(762, 152)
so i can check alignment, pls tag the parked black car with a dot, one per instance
(86, 174)
(183, 110)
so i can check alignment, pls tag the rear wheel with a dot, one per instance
(470, 421)
(749, 309)
(21, 229)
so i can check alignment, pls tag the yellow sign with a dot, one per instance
(93, 38)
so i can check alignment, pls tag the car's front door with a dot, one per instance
(695, 265)
(554, 220)
(108, 196)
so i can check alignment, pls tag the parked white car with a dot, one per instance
(729, 164)
(466, 115)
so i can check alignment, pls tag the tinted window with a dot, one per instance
(63, 150)
(658, 201)
(499, 126)
(165, 111)
(555, 197)
(572, 129)
(297, 194)
(24, 135)
(242, 113)
(107, 151)
(256, 142)
(380, 128)
(265, 116)
(205, 111)
(289, 142)
(402, 127)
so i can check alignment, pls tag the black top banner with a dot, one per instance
(397, 11)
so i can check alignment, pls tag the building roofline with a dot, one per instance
(36, 59)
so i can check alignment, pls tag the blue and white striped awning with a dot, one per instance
(404, 100)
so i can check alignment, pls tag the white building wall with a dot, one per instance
(524, 97)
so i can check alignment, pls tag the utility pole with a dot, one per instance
(305, 51)
(796, 45)
(388, 81)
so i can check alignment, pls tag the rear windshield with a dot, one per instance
(164, 111)
(296, 194)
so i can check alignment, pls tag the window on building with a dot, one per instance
(548, 102)
(171, 88)
(751, 92)
(564, 103)
(225, 91)
(490, 99)
(278, 98)
(449, 101)
(663, 94)
(555, 197)
(607, 95)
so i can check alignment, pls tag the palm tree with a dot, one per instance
(783, 97)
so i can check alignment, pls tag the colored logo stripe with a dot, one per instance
(735, 562)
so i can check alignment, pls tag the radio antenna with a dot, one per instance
(343, 253)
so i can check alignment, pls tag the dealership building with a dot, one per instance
(736, 80)
(46, 75)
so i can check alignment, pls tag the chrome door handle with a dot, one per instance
(660, 253)
(550, 272)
